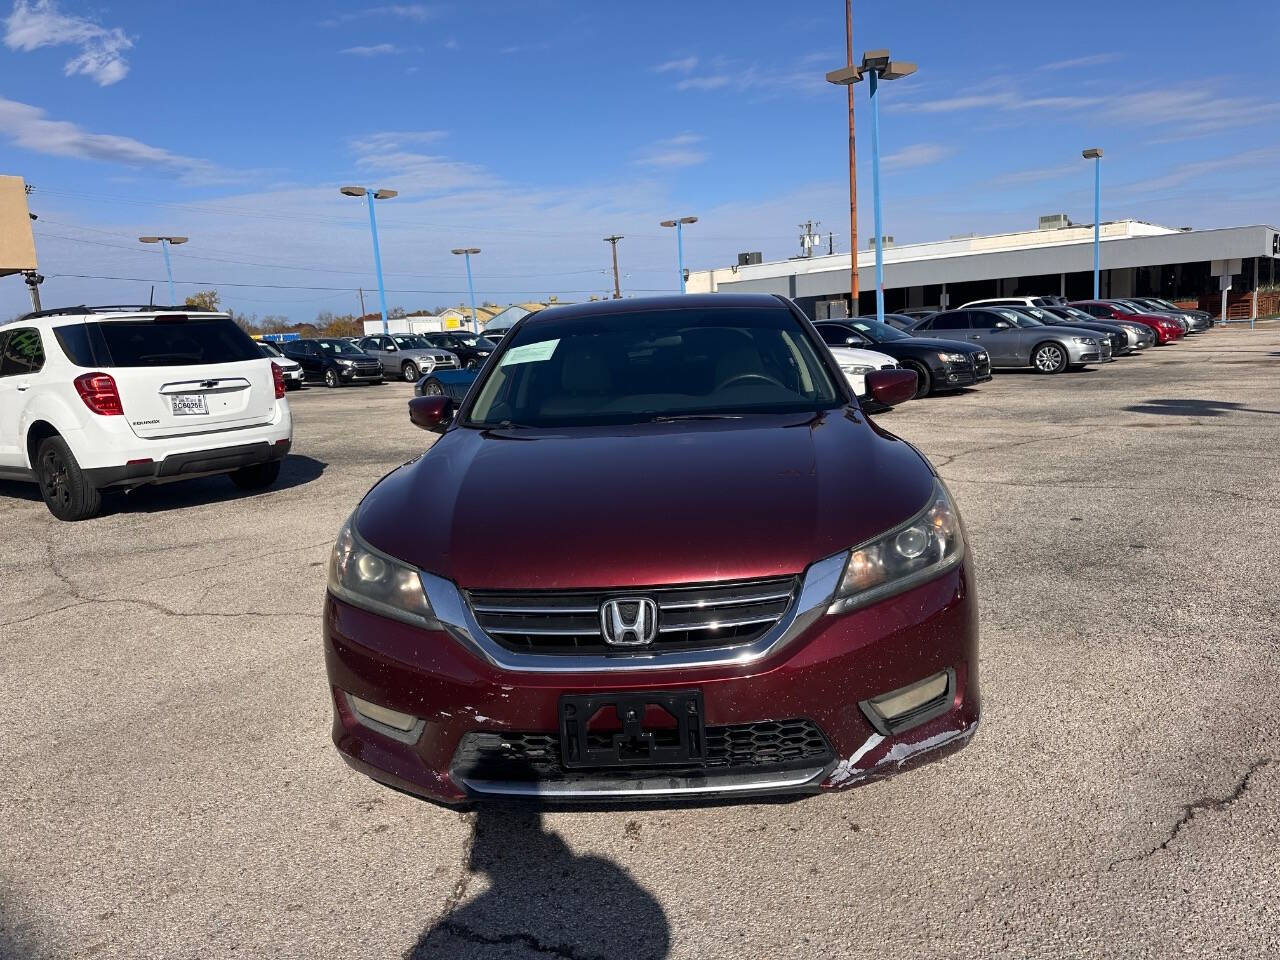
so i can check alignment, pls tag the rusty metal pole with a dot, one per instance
(853, 171)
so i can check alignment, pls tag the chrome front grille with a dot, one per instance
(689, 617)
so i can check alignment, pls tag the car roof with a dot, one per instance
(110, 313)
(688, 301)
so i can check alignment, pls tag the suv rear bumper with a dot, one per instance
(191, 463)
(824, 676)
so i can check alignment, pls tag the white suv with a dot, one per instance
(97, 397)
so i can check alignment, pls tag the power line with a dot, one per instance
(288, 286)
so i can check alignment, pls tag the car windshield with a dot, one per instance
(344, 347)
(1019, 319)
(411, 343)
(1044, 316)
(879, 332)
(471, 340)
(1075, 313)
(1122, 307)
(268, 349)
(643, 366)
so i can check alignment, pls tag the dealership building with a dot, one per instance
(1137, 259)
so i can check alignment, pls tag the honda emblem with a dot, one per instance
(629, 621)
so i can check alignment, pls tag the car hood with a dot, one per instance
(425, 354)
(862, 357)
(933, 343)
(645, 505)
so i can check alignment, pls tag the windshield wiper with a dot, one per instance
(672, 417)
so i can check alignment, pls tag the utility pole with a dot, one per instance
(613, 242)
(361, 289)
(33, 281)
(831, 243)
(853, 171)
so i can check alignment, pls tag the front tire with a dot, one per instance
(410, 372)
(1049, 358)
(331, 378)
(259, 476)
(67, 492)
(433, 388)
(924, 382)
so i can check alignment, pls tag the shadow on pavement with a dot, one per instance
(543, 900)
(16, 941)
(1193, 408)
(294, 472)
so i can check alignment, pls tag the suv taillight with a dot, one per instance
(277, 377)
(99, 393)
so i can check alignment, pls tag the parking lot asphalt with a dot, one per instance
(170, 789)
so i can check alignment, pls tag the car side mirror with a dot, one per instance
(391, 348)
(891, 387)
(431, 413)
(1001, 325)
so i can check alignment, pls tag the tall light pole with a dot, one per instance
(853, 170)
(613, 242)
(1095, 154)
(875, 66)
(679, 225)
(370, 196)
(164, 246)
(467, 252)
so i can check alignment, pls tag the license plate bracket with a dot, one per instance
(679, 742)
(189, 404)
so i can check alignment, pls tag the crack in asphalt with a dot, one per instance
(1192, 810)
(86, 600)
(993, 448)
(1074, 485)
(527, 940)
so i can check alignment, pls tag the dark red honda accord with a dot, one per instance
(658, 552)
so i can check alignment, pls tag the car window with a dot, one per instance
(339, 348)
(833, 334)
(411, 343)
(645, 365)
(22, 352)
(879, 332)
(1124, 308)
(170, 340)
(957, 320)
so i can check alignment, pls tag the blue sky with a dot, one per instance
(534, 129)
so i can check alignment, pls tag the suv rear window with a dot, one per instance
(167, 341)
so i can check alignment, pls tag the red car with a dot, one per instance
(658, 552)
(1166, 329)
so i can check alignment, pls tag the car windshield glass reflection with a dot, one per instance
(654, 365)
(879, 332)
(1124, 308)
(411, 343)
(343, 347)
(471, 340)
(1017, 319)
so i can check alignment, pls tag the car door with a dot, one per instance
(951, 325)
(307, 354)
(998, 336)
(383, 349)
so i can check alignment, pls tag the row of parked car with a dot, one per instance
(949, 350)
(341, 361)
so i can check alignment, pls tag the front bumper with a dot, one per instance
(821, 676)
(360, 374)
(962, 374)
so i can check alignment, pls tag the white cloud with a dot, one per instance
(1092, 60)
(1037, 175)
(674, 152)
(419, 12)
(800, 76)
(1260, 159)
(376, 50)
(681, 65)
(39, 23)
(28, 127)
(916, 155)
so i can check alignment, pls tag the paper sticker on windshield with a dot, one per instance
(530, 352)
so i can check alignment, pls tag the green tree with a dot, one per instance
(203, 300)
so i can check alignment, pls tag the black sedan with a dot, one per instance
(939, 364)
(472, 351)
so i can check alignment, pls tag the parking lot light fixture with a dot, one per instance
(164, 247)
(471, 290)
(371, 195)
(876, 65)
(679, 223)
(1095, 154)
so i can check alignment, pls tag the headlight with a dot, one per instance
(345, 363)
(856, 370)
(952, 357)
(926, 545)
(369, 579)
(1085, 341)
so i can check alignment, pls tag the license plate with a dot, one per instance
(189, 404)
(632, 730)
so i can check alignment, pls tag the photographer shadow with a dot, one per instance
(542, 900)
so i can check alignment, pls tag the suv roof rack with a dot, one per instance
(111, 308)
